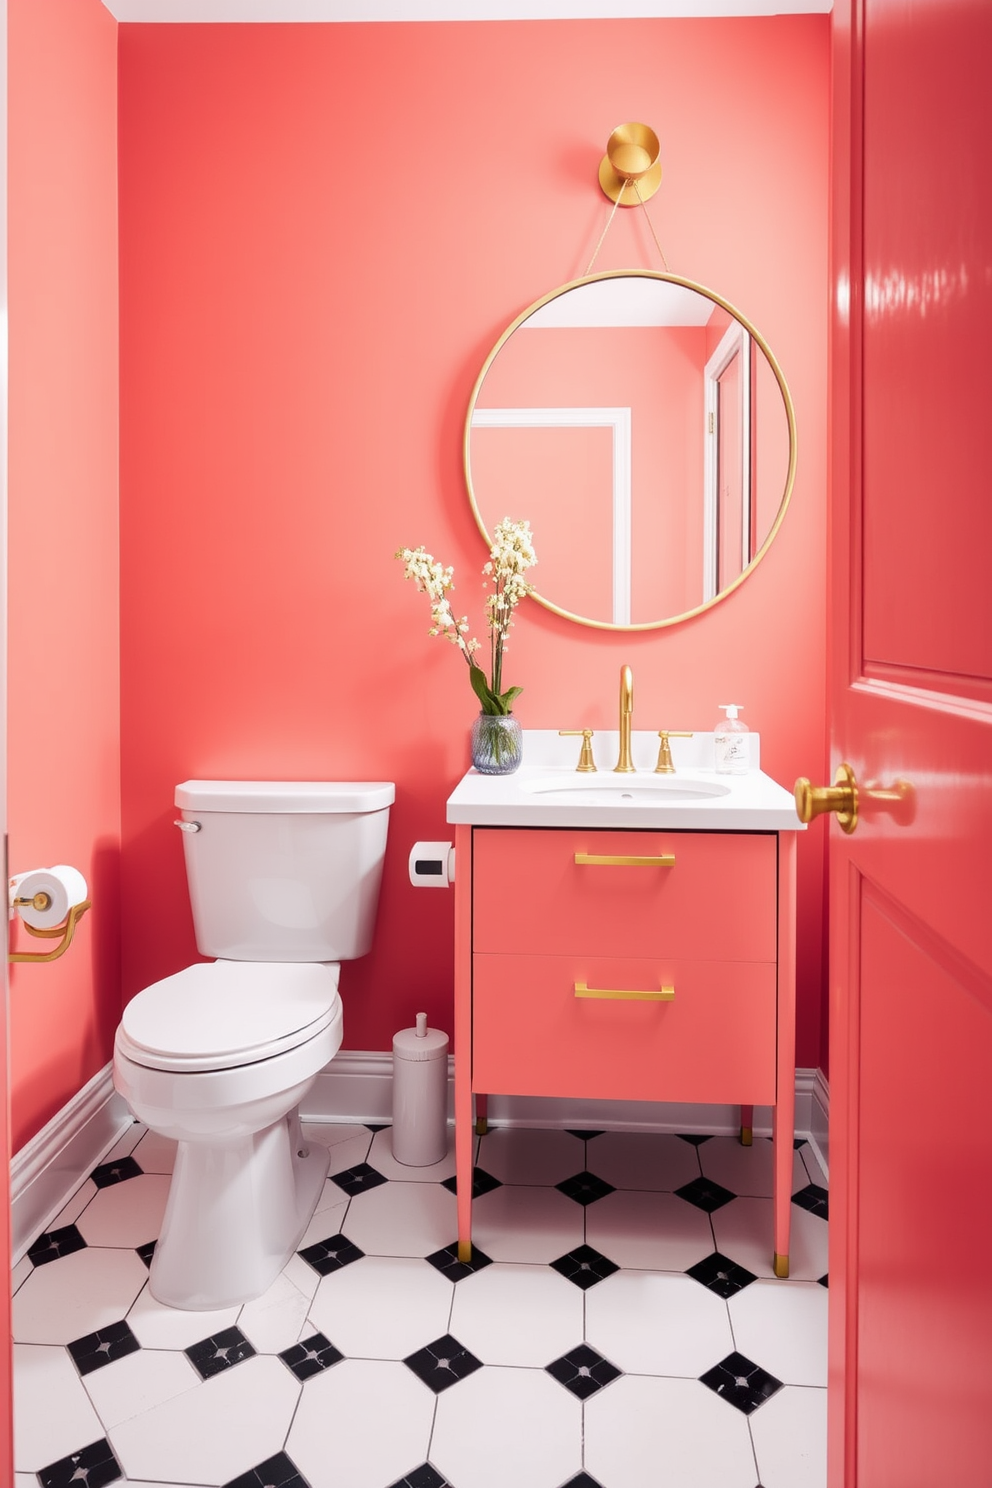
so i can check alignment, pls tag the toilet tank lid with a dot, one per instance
(285, 796)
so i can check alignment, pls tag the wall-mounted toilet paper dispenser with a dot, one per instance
(50, 903)
(432, 865)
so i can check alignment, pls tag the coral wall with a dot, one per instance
(63, 662)
(324, 229)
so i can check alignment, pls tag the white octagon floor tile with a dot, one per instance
(126, 1142)
(328, 1217)
(126, 1214)
(647, 1322)
(649, 1231)
(364, 1423)
(747, 1171)
(71, 1211)
(744, 1232)
(529, 1155)
(157, 1326)
(381, 1158)
(783, 1327)
(53, 1415)
(275, 1321)
(20, 1273)
(347, 1145)
(648, 1160)
(77, 1294)
(138, 1383)
(790, 1439)
(523, 1315)
(382, 1307)
(179, 1440)
(508, 1426)
(514, 1223)
(155, 1153)
(411, 1219)
(666, 1433)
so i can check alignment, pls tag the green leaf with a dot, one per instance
(507, 698)
(490, 703)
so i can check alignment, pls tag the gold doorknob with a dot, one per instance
(842, 797)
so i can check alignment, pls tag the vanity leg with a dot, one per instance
(784, 1110)
(464, 1137)
(747, 1125)
(481, 1117)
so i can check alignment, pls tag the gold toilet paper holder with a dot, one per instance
(66, 930)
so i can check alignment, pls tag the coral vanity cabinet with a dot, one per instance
(626, 965)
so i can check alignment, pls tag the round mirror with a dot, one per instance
(643, 427)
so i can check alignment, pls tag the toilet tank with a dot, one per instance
(284, 871)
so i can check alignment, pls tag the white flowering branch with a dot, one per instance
(511, 555)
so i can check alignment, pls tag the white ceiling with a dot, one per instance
(448, 10)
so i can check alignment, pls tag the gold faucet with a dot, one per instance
(625, 765)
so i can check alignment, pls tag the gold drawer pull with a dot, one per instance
(664, 994)
(662, 860)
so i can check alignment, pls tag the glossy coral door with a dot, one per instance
(911, 945)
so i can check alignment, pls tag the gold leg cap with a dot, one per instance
(465, 1251)
(747, 1136)
(481, 1126)
(780, 1265)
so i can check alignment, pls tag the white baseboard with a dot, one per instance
(50, 1167)
(357, 1087)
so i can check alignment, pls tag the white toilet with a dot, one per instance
(284, 883)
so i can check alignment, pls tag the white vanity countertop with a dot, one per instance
(547, 791)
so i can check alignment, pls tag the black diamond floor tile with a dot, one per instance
(331, 1254)
(583, 1371)
(279, 1471)
(482, 1182)
(584, 1266)
(695, 1140)
(705, 1194)
(103, 1347)
(721, 1275)
(586, 1136)
(741, 1382)
(582, 1481)
(358, 1179)
(375, 1126)
(446, 1261)
(212, 1355)
(55, 1243)
(425, 1476)
(91, 1467)
(814, 1198)
(145, 1252)
(443, 1363)
(823, 1280)
(110, 1173)
(585, 1188)
(311, 1356)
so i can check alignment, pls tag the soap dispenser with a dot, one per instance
(731, 744)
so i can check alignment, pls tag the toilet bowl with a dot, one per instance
(219, 1055)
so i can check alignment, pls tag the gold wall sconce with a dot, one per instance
(631, 160)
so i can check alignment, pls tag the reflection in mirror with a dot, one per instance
(643, 428)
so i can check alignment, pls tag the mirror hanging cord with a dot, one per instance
(609, 224)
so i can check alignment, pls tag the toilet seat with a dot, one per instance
(221, 1014)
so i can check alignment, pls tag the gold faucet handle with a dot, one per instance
(665, 765)
(587, 764)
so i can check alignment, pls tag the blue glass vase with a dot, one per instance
(497, 744)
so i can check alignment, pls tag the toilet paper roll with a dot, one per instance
(65, 887)
(432, 865)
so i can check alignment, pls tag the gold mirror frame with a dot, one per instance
(790, 420)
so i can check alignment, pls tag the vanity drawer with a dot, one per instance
(713, 1041)
(712, 894)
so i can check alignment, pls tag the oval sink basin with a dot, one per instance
(595, 790)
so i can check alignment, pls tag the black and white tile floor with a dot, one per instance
(619, 1327)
